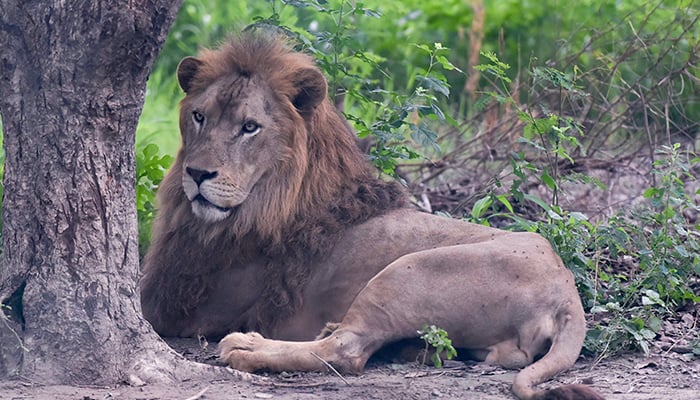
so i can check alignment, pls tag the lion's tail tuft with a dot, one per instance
(569, 392)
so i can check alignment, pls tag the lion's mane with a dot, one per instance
(292, 216)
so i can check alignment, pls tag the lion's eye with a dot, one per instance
(197, 117)
(250, 128)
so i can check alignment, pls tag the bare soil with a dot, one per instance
(671, 372)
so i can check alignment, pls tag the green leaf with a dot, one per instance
(435, 84)
(481, 206)
(652, 192)
(651, 297)
(504, 200)
(437, 361)
(654, 323)
(446, 64)
(554, 215)
(437, 111)
(578, 216)
(424, 135)
(371, 13)
(527, 140)
(537, 201)
(548, 180)
(149, 151)
(598, 309)
(680, 249)
(423, 47)
(647, 333)
(642, 344)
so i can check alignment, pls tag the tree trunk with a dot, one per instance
(72, 84)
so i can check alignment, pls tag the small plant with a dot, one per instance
(547, 134)
(633, 275)
(407, 115)
(437, 339)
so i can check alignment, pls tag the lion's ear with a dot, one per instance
(311, 87)
(186, 71)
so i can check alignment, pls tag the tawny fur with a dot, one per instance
(294, 229)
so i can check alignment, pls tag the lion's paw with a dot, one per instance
(238, 350)
(240, 341)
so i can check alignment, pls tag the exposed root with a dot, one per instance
(161, 364)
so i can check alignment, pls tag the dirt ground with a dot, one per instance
(669, 373)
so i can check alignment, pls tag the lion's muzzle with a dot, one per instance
(207, 196)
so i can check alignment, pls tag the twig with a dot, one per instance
(299, 385)
(652, 142)
(335, 371)
(632, 385)
(198, 395)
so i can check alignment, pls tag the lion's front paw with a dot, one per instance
(239, 351)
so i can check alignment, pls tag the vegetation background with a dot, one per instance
(578, 120)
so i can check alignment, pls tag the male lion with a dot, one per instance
(271, 220)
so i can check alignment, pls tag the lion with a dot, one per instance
(272, 224)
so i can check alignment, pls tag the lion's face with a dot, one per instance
(240, 137)
(231, 138)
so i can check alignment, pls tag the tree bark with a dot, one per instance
(72, 84)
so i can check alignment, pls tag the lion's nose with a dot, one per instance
(199, 175)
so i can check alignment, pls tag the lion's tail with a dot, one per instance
(562, 354)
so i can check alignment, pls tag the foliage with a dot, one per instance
(150, 169)
(437, 339)
(666, 248)
(407, 113)
(632, 56)
(655, 243)
(656, 238)
(545, 132)
(398, 114)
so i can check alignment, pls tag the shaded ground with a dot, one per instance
(665, 375)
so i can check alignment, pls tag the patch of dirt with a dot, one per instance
(665, 375)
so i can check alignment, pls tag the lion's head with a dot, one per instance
(245, 128)
(263, 150)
